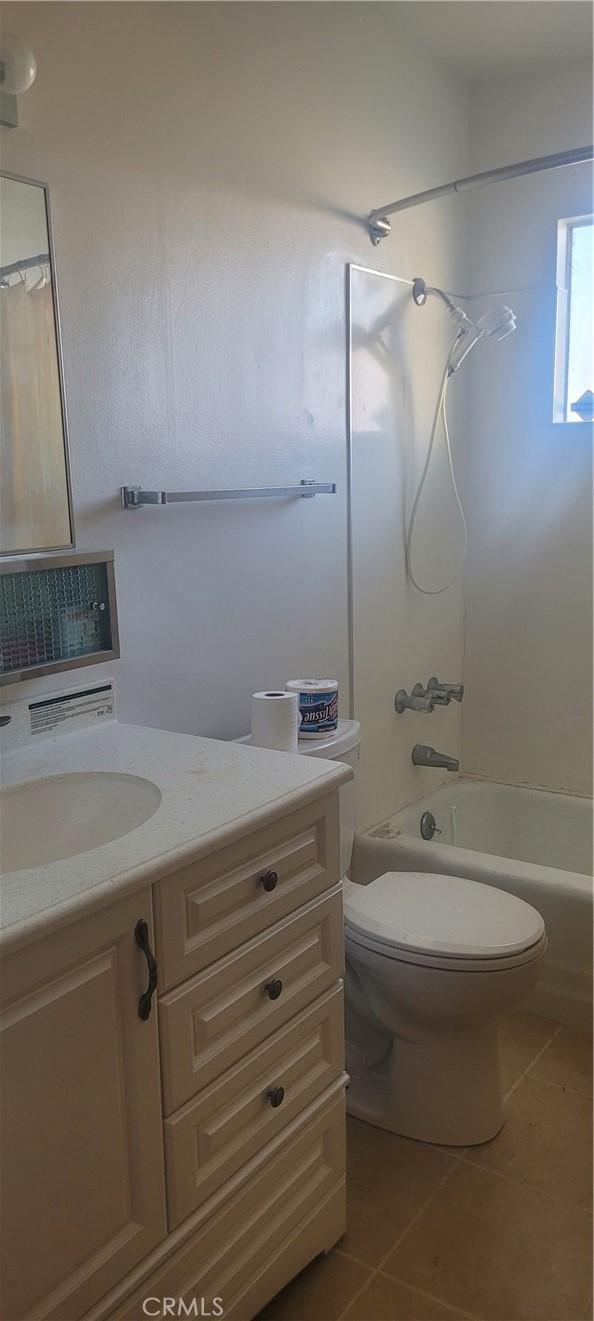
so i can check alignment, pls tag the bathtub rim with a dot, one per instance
(528, 871)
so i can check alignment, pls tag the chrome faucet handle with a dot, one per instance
(419, 700)
(443, 693)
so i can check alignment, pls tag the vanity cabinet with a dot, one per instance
(82, 1173)
(197, 1154)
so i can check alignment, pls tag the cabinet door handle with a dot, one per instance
(269, 881)
(275, 1096)
(274, 988)
(141, 933)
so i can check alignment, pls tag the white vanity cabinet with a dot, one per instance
(81, 1129)
(198, 1154)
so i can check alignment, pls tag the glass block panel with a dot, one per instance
(54, 615)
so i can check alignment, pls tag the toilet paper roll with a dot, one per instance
(275, 720)
(318, 706)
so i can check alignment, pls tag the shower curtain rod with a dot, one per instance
(24, 264)
(379, 225)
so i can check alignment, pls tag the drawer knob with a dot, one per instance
(273, 989)
(276, 1096)
(269, 881)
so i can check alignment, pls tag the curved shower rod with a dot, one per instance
(379, 225)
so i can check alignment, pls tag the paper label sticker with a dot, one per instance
(68, 710)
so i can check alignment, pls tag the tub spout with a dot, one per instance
(422, 755)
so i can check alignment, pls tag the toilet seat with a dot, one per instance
(442, 922)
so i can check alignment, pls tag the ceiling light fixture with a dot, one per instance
(18, 68)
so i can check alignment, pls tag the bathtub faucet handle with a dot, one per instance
(444, 693)
(419, 700)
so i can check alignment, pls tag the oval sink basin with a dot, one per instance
(58, 816)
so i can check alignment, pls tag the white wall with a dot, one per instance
(209, 168)
(528, 670)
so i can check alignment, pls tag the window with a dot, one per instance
(574, 356)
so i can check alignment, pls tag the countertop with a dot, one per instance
(211, 792)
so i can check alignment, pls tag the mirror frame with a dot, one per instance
(68, 545)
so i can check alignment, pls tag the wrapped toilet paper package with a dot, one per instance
(318, 706)
(275, 720)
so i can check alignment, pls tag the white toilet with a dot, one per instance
(432, 962)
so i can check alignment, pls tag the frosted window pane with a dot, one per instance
(580, 363)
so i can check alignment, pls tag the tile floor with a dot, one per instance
(501, 1232)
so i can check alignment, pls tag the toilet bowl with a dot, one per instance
(432, 963)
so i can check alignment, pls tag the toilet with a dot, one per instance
(432, 963)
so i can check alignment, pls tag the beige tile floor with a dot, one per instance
(501, 1232)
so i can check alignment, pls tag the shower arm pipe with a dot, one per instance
(379, 224)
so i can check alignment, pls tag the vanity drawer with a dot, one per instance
(270, 1225)
(213, 1135)
(208, 908)
(216, 1018)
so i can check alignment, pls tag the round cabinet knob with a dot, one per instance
(274, 988)
(276, 1096)
(269, 881)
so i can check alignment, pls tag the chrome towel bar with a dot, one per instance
(134, 497)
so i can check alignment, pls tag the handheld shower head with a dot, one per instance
(498, 322)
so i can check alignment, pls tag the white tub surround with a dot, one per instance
(172, 1047)
(535, 844)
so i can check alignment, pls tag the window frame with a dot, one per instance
(565, 229)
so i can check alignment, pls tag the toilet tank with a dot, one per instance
(343, 746)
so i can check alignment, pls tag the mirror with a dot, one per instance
(35, 505)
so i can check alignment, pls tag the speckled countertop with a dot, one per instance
(210, 791)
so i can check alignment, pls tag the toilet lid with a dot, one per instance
(439, 914)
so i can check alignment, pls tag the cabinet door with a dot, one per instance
(82, 1165)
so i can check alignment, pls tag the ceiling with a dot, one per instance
(482, 39)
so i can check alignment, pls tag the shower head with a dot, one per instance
(497, 323)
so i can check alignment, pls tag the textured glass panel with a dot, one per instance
(52, 615)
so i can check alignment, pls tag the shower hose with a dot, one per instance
(440, 414)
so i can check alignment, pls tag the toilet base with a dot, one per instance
(446, 1090)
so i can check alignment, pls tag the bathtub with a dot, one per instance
(535, 844)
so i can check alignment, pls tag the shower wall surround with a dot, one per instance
(205, 207)
(400, 637)
(527, 716)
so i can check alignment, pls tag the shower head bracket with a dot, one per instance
(379, 228)
(419, 291)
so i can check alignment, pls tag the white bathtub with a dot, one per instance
(535, 844)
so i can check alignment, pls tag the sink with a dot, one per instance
(58, 816)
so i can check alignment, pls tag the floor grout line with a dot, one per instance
(561, 1086)
(533, 1061)
(378, 1269)
(534, 1187)
(458, 1311)
(342, 1252)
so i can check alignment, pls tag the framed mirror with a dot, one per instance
(35, 497)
